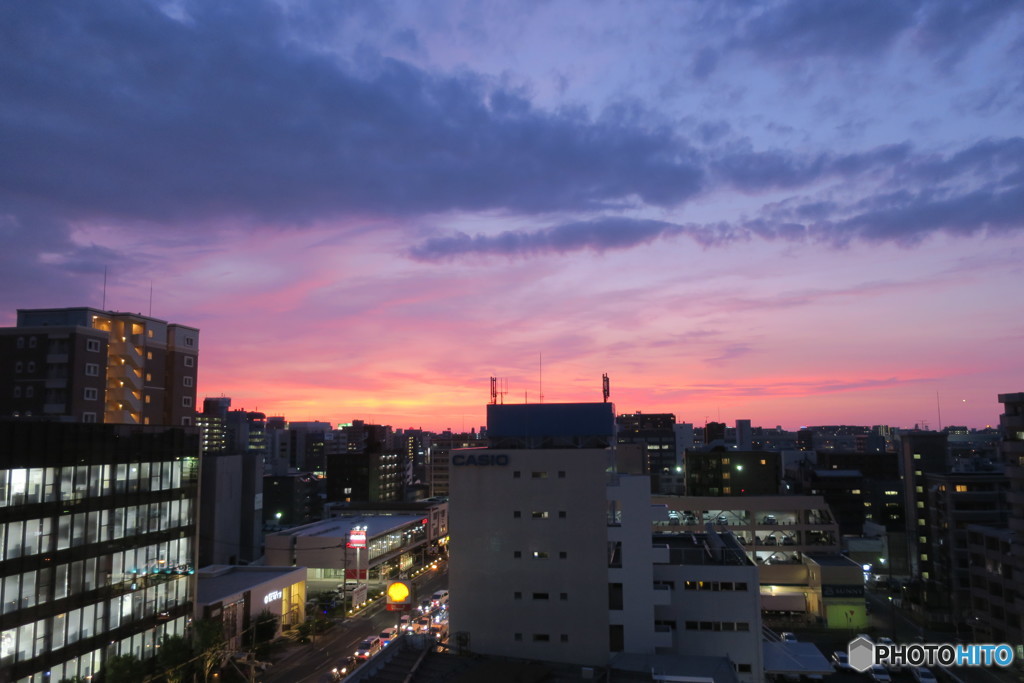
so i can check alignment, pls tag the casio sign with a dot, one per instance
(482, 460)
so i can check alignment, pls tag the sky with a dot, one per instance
(797, 213)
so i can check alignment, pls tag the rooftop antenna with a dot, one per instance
(104, 306)
(498, 390)
(939, 406)
(605, 387)
(150, 298)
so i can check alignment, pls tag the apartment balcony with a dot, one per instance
(57, 383)
(662, 636)
(662, 595)
(660, 554)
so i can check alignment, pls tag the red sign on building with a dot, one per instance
(357, 538)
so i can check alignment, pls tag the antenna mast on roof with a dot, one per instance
(498, 394)
(605, 387)
(104, 306)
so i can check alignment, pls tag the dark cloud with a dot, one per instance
(597, 235)
(798, 29)
(753, 171)
(979, 189)
(118, 111)
(951, 29)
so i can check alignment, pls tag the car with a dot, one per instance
(439, 630)
(422, 625)
(439, 599)
(879, 674)
(883, 640)
(368, 648)
(405, 623)
(387, 635)
(769, 519)
(722, 519)
(788, 637)
(841, 661)
(344, 668)
(923, 675)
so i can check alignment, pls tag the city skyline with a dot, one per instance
(793, 213)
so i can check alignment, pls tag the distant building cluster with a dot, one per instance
(626, 541)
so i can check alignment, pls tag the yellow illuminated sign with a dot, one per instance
(398, 592)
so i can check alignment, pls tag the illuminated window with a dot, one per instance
(539, 515)
(149, 355)
(920, 505)
(961, 488)
(855, 492)
(917, 456)
(764, 462)
(918, 489)
(540, 555)
(726, 461)
(892, 493)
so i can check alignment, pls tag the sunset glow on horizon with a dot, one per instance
(793, 213)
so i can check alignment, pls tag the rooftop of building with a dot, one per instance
(412, 659)
(338, 527)
(717, 548)
(831, 560)
(220, 581)
(824, 473)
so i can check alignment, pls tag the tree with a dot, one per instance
(123, 669)
(174, 659)
(264, 627)
(209, 644)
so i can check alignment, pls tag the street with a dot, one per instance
(311, 662)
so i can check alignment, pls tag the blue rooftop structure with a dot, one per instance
(551, 425)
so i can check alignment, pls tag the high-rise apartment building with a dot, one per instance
(97, 543)
(90, 365)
